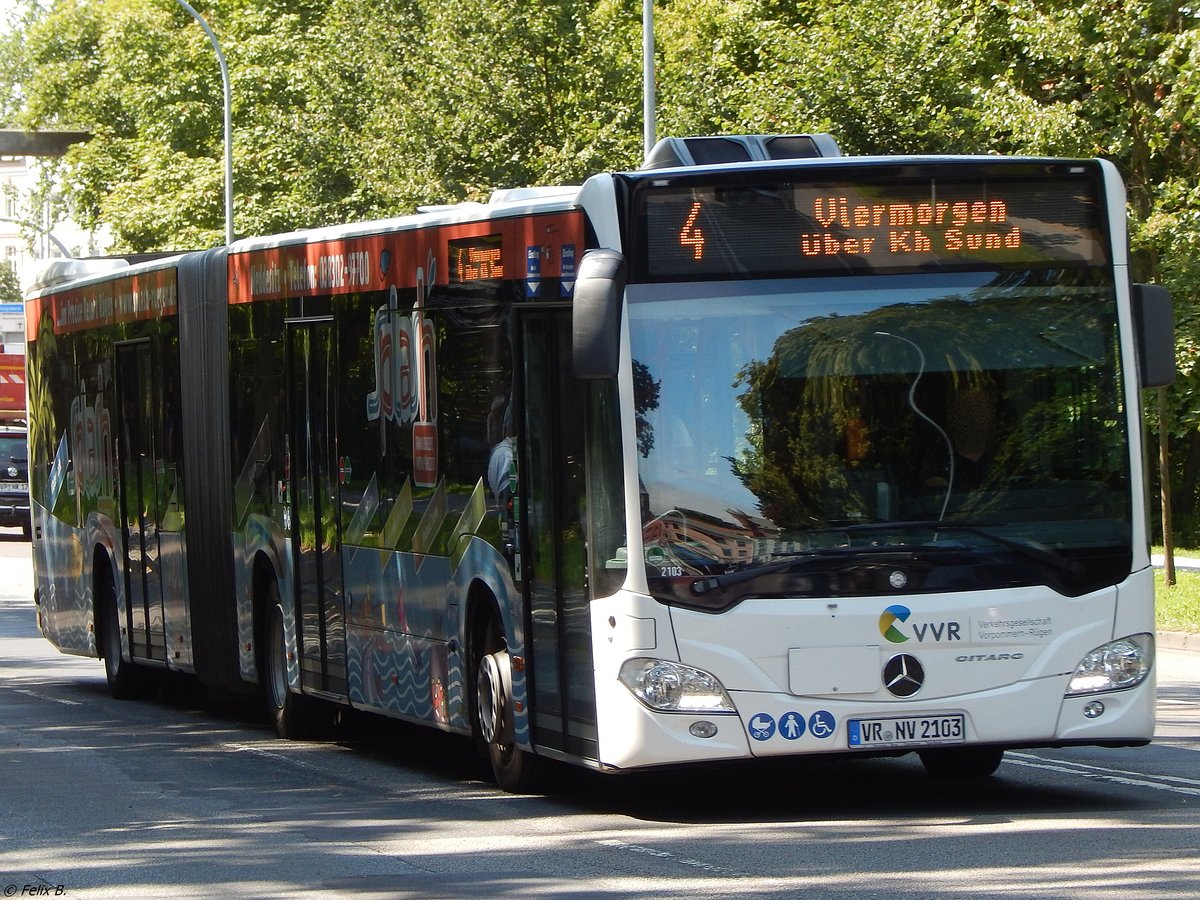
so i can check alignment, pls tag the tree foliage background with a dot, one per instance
(10, 287)
(349, 109)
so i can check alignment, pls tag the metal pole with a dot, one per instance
(228, 119)
(648, 74)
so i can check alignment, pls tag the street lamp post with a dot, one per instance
(650, 125)
(228, 119)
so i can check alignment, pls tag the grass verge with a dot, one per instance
(1177, 607)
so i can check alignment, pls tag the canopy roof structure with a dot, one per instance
(14, 142)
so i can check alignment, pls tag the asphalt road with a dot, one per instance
(100, 798)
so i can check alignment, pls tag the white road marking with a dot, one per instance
(671, 857)
(1173, 783)
(37, 696)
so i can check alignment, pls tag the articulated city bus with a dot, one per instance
(757, 451)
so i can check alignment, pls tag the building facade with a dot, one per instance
(31, 235)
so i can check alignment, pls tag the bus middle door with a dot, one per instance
(313, 485)
(140, 471)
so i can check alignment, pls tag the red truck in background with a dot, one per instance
(12, 387)
(14, 451)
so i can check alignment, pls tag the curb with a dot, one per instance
(1181, 562)
(1178, 640)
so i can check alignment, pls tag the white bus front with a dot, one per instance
(884, 480)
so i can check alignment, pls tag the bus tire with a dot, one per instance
(294, 716)
(515, 770)
(962, 762)
(126, 680)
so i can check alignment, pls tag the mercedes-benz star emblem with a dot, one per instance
(903, 675)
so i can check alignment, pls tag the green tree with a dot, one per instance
(485, 94)
(341, 109)
(10, 287)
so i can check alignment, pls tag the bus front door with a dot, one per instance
(139, 496)
(552, 494)
(313, 478)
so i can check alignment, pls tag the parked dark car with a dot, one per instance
(14, 479)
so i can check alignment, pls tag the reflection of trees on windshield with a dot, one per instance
(849, 415)
(645, 399)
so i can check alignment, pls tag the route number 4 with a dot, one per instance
(691, 235)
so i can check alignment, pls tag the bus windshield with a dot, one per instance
(801, 437)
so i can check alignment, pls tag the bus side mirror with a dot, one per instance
(596, 316)
(1154, 331)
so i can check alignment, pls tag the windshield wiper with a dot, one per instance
(1038, 553)
(819, 557)
(795, 562)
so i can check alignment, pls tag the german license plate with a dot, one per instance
(907, 731)
(14, 487)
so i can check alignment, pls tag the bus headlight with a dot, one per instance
(1117, 666)
(667, 686)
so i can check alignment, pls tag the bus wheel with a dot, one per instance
(126, 680)
(516, 771)
(294, 716)
(961, 762)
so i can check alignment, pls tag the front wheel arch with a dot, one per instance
(490, 699)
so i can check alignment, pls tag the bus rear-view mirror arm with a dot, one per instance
(1154, 326)
(596, 317)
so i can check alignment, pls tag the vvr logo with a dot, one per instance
(894, 616)
(887, 623)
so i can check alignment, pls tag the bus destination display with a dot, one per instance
(476, 258)
(780, 229)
